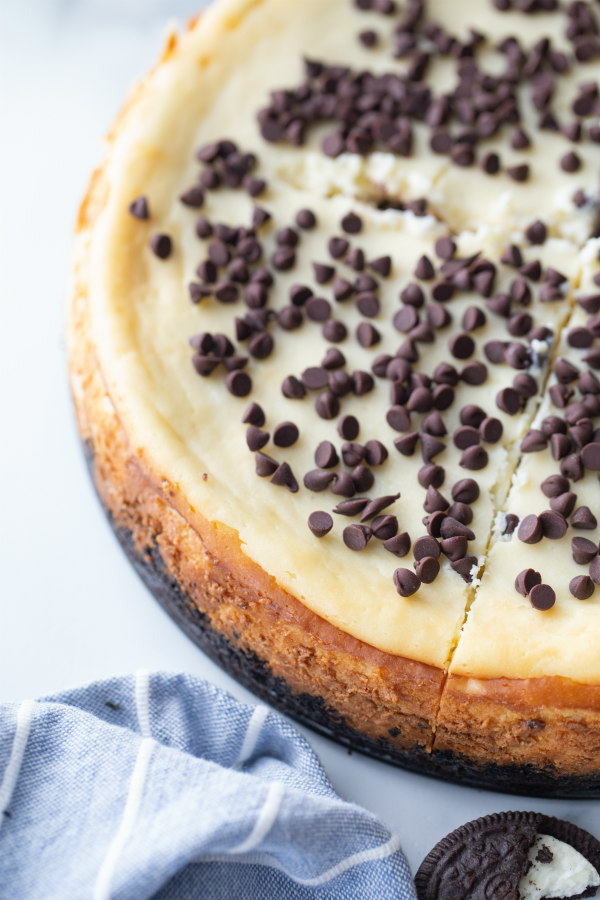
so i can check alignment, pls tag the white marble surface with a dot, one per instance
(71, 608)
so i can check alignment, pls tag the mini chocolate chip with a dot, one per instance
(367, 335)
(334, 331)
(542, 597)
(238, 383)
(161, 245)
(555, 485)
(582, 587)
(407, 443)
(363, 382)
(318, 479)
(564, 503)
(203, 227)
(139, 208)
(430, 474)
(289, 318)
(342, 289)
(315, 377)
(427, 569)
(405, 581)
(438, 316)
(323, 272)
(583, 550)
(491, 429)
(285, 434)
(340, 382)
(256, 438)
(535, 441)
(333, 359)
(537, 232)
(434, 501)
(510, 523)
(254, 415)
(445, 248)
(327, 405)
(368, 304)
(375, 506)
(382, 265)
(198, 291)
(465, 491)
(320, 523)
(405, 319)
(362, 478)
(261, 345)
(356, 537)
(284, 477)
(518, 173)
(461, 346)
(292, 388)
(375, 453)
(570, 162)
(554, 526)
(384, 527)
(466, 436)
(424, 269)
(426, 546)
(590, 456)
(474, 317)
(508, 401)
(351, 507)
(348, 428)
(420, 400)
(318, 309)
(430, 446)
(526, 580)
(472, 415)
(326, 455)
(530, 530)
(475, 458)
(306, 219)
(594, 570)
(351, 223)
(464, 567)
(283, 259)
(451, 527)
(265, 465)
(356, 260)
(583, 518)
(454, 547)
(442, 291)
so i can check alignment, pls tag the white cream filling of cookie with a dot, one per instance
(567, 874)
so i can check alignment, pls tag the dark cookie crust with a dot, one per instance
(310, 710)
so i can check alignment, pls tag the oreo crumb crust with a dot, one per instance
(485, 859)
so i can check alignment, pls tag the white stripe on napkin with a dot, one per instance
(265, 859)
(134, 797)
(265, 819)
(142, 701)
(255, 726)
(11, 773)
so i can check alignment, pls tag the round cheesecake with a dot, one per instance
(333, 349)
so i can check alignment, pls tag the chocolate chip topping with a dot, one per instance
(161, 245)
(542, 597)
(320, 523)
(582, 587)
(285, 434)
(406, 582)
(139, 208)
(526, 580)
(530, 530)
(356, 537)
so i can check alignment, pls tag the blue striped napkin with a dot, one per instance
(164, 786)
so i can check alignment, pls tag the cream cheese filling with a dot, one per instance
(184, 426)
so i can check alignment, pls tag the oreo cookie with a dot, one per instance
(511, 856)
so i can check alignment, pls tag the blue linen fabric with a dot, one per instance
(163, 786)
